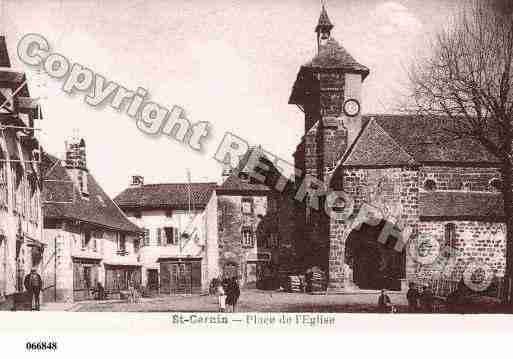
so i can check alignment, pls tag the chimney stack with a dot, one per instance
(76, 164)
(137, 181)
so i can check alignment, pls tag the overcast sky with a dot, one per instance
(231, 63)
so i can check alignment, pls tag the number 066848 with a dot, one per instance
(40, 346)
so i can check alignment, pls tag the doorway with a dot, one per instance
(153, 279)
(375, 265)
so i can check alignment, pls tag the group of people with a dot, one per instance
(420, 301)
(228, 293)
(417, 301)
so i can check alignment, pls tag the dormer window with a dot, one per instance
(244, 176)
(102, 202)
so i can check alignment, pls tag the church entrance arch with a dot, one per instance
(374, 265)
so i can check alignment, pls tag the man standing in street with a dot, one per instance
(384, 303)
(413, 298)
(33, 284)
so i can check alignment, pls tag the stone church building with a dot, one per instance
(406, 168)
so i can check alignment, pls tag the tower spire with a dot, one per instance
(323, 28)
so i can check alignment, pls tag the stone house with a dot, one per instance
(406, 168)
(90, 240)
(21, 243)
(255, 235)
(179, 220)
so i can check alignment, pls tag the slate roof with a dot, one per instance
(424, 139)
(166, 195)
(236, 182)
(464, 205)
(332, 55)
(4, 55)
(61, 199)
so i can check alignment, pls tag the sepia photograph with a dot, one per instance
(255, 163)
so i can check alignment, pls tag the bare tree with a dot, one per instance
(468, 77)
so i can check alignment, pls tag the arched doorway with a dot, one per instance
(375, 265)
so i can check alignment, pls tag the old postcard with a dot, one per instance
(254, 164)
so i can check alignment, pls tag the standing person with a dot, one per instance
(413, 298)
(427, 299)
(384, 303)
(236, 292)
(33, 283)
(221, 297)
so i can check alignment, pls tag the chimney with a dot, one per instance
(227, 171)
(137, 181)
(76, 164)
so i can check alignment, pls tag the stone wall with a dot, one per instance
(460, 178)
(475, 242)
(393, 192)
(231, 221)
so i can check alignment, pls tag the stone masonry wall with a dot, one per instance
(460, 178)
(475, 242)
(393, 191)
(231, 221)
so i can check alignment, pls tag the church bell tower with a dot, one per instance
(328, 91)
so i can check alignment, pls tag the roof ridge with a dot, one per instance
(172, 183)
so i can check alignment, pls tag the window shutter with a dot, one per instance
(196, 276)
(176, 235)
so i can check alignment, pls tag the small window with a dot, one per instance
(450, 235)
(244, 176)
(247, 205)
(159, 236)
(172, 235)
(247, 237)
(272, 205)
(137, 245)
(496, 184)
(137, 214)
(429, 185)
(146, 237)
(102, 202)
(95, 245)
(169, 213)
(86, 238)
(121, 244)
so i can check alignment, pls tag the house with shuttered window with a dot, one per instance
(179, 220)
(21, 246)
(90, 240)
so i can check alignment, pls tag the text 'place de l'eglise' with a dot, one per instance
(175, 238)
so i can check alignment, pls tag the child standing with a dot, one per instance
(221, 297)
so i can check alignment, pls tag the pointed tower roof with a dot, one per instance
(4, 55)
(334, 55)
(324, 22)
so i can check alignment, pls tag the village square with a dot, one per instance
(399, 212)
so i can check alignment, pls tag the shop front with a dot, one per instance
(85, 278)
(119, 276)
(180, 275)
